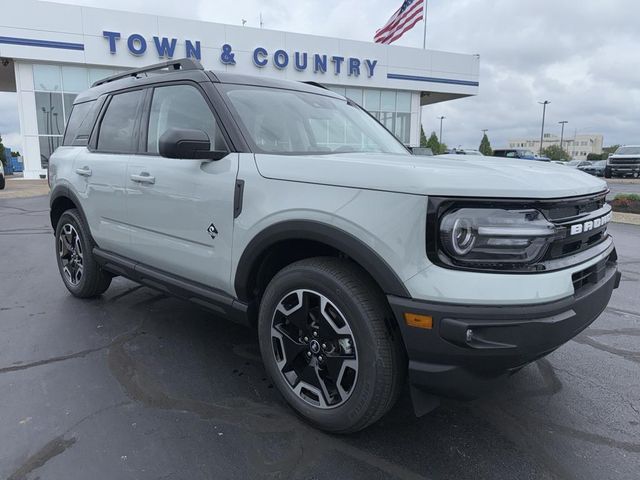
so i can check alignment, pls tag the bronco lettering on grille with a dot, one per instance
(590, 225)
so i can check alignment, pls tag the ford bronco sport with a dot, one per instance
(286, 206)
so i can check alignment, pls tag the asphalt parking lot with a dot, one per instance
(135, 385)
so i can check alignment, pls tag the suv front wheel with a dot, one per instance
(327, 346)
(80, 272)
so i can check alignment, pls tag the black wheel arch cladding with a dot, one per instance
(308, 230)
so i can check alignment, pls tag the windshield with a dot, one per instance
(628, 151)
(298, 123)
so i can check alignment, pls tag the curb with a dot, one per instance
(628, 218)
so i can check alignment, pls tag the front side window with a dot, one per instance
(293, 122)
(181, 106)
(118, 123)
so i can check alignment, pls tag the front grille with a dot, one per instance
(566, 213)
(624, 161)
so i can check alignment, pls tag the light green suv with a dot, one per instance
(289, 208)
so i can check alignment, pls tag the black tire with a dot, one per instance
(92, 280)
(607, 172)
(2, 182)
(381, 360)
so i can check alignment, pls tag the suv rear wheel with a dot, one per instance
(80, 272)
(326, 344)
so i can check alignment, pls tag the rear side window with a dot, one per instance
(117, 129)
(181, 106)
(80, 123)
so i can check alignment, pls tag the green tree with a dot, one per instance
(592, 157)
(423, 137)
(485, 146)
(434, 144)
(607, 150)
(554, 152)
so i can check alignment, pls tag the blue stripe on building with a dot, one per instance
(33, 42)
(417, 78)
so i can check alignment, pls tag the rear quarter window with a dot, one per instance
(80, 123)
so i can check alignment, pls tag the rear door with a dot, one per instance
(180, 211)
(101, 169)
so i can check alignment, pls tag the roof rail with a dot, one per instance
(180, 64)
(315, 84)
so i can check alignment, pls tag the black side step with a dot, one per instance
(207, 297)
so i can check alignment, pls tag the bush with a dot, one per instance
(626, 202)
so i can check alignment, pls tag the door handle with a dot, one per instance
(84, 171)
(144, 177)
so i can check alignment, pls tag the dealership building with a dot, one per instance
(49, 52)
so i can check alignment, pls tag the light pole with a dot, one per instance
(440, 137)
(544, 111)
(563, 122)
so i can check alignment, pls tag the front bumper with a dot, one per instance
(471, 346)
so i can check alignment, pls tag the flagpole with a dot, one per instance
(424, 19)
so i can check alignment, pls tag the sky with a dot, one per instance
(581, 55)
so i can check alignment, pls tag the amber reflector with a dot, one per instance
(418, 321)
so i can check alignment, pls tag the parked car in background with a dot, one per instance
(521, 153)
(463, 151)
(423, 151)
(578, 163)
(542, 158)
(625, 162)
(470, 151)
(2, 182)
(594, 168)
(559, 162)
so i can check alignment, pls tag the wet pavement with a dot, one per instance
(135, 385)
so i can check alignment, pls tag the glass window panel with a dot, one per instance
(74, 79)
(47, 78)
(68, 103)
(355, 94)
(96, 74)
(117, 126)
(79, 114)
(338, 90)
(320, 129)
(403, 102)
(372, 100)
(49, 113)
(403, 127)
(181, 106)
(47, 146)
(386, 118)
(388, 101)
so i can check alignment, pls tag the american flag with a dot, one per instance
(403, 20)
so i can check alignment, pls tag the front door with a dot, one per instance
(180, 211)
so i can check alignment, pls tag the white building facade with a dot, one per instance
(50, 52)
(578, 145)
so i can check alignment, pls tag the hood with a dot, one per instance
(442, 175)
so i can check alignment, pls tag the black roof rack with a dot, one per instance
(180, 64)
(316, 84)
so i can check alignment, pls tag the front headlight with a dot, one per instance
(495, 237)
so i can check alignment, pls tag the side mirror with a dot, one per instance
(188, 144)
